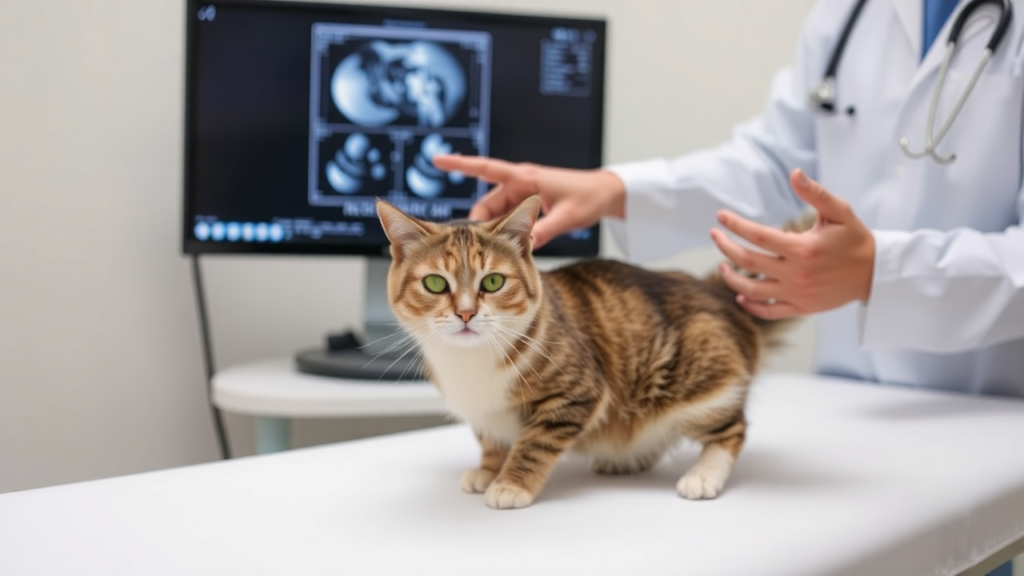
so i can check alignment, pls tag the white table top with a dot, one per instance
(837, 479)
(276, 388)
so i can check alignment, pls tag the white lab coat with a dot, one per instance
(947, 299)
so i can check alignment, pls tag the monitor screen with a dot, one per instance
(299, 116)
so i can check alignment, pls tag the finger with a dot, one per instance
(484, 208)
(771, 239)
(745, 258)
(501, 199)
(555, 223)
(487, 169)
(762, 290)
(828, 206)
(773, 311)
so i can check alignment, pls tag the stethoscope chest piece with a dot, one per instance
(823, 95)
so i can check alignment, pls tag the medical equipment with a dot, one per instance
(823, 95)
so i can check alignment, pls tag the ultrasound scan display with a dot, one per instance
(386, 101)
(299, 117)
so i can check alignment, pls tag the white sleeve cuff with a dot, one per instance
(656, 226)
(638, 177)
(643, 176)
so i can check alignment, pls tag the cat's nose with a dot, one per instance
(466, 315)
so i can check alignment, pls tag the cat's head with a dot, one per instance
(465, 283)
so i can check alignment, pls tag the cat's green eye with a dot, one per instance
(492, 283)
(435, 284)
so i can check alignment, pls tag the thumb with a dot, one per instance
(829, 207)
(554, 223)
(490, 205)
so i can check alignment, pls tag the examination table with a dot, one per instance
(837, 478)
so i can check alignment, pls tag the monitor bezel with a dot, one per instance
(191, 246)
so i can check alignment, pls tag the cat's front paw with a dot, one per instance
(502, 495)
(476, 480)
(700, 484)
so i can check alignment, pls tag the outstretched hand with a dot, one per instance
(570, 199)
(823, 268)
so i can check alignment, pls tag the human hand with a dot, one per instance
(820, 269)
(570, 199)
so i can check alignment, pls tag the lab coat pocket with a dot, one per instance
(992, 85)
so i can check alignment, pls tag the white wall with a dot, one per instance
(100, 370)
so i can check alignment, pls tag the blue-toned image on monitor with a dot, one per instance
(299, 116)
(384, 101)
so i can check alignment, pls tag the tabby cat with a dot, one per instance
(613, 361)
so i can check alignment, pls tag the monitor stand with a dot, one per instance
(378, 354)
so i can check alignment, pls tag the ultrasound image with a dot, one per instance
(381, 82)
(385, 101)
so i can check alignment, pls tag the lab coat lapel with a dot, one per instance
(933, 59)
(910, 13)
(911, 16)
(896, 193)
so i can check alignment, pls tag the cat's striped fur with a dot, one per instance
(613, 361)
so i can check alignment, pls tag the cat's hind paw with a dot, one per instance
(502, 495)
(476, 480)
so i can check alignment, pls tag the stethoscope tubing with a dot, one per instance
(823, 94)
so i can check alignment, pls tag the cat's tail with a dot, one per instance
(772, 331)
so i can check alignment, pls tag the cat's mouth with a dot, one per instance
(467, 331)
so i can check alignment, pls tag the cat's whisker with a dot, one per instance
(512, 362)
(518, 318)
(530, 364)
(540, 348)
(421, 368)
(402, 327)
(391, 335)
(486, 322)
(398, 344)
(520, 378)
(391, 346)
(421, 359)
(490, 350)
(533, 344)
(491, 338)
(418, 362)
(377, 357)
(411, 348)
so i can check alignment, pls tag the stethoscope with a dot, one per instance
(823, 95)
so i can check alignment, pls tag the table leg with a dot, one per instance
(272, 434)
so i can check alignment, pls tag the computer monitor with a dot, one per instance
(299, 116)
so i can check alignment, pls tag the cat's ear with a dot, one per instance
(518, 225)
(403, 231)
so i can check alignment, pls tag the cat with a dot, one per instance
(610, 360)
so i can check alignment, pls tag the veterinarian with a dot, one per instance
(916, 263)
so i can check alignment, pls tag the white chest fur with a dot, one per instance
(475, 389)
